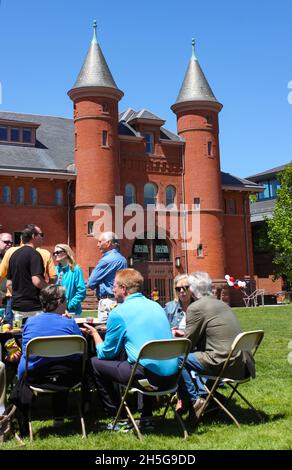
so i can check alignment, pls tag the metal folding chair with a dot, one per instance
(157, 350)
(252, 299)
(247, 341)
(54, 347)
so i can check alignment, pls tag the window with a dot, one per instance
(105, 108)
(15, 134)
(208, 119)
(209, 148)
(141, 250)
(200, 252)
(26, 136)
(149, 138)
(197, 203)
(170, 195)
(104, 139)
(230, 206)
(20, 195)
(150, 194)
(270, 189)
(90, 228)
(274, 186)
(151, 250)
(161, 251)
(59, 197)
(33, 196)
(6, 195)
(3, 133)
(130, 196)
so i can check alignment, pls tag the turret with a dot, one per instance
(197, 111)
(95, 96)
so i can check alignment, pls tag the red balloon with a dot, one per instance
(231, 279)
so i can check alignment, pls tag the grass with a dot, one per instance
(270, 393)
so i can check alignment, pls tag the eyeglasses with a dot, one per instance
(59, 252)
(41, 234)
(185, 288)
(7, 242)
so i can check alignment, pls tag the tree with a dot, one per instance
(280, 226)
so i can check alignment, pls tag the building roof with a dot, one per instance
(129, 117)
(54, 148)
(232, 182)
(195, 86)
(259, 210)
(95, 71)
(268, 173)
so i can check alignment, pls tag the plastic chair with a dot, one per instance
(157, 350)
(54, 347)
(252, 299)
(247, 341)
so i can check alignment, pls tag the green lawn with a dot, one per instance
(270, 393)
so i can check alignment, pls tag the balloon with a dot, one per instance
(231, 279)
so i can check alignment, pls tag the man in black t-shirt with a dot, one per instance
(25, 274)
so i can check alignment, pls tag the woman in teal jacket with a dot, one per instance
(71, 277)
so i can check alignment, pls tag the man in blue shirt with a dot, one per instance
(132, 323)
(103, 275)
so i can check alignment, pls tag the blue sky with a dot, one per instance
(244, 48)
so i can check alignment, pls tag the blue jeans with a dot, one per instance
(191, 386)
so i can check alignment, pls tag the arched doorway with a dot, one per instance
(153, 258)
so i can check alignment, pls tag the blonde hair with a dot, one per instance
(131, 279)
(178, 278)
(70, 254)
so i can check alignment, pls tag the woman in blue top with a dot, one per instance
(71, 277)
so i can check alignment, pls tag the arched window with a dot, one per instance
(6, 195)
(150, 194)
(59, 197)
(130, 194)
(170, 196)
(33, 196)
(20, 195)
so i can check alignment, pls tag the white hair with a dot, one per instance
(110, 237)
(200, 284)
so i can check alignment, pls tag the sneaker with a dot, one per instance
(147, 423)
(121, 426)
(198, 406)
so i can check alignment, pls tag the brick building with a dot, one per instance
(54, 171)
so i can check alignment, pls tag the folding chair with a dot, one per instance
(252, 299)
(247, 341)
(54, 347)
(157, 350)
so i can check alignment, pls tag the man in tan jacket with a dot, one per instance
(212, 327)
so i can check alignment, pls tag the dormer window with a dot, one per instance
(26, 136)
(3, 133)
(15, 134)
(149, 138)
(18, 132)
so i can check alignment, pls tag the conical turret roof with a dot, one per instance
(95, 71)
(195, 87)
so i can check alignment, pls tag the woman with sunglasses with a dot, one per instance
(176, 309)
(71, 277)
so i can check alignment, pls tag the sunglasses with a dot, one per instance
(7, 242)
(185, 288)
(59, 252)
